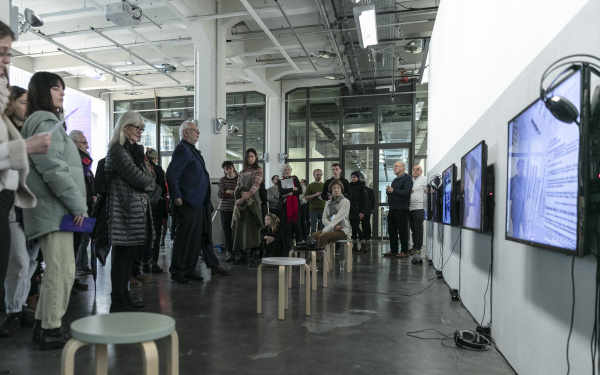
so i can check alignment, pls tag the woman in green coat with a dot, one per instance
(56, 180)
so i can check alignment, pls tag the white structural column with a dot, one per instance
(209, 92)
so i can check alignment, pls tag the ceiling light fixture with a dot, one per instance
(94, 75)
(414, 46)
(31, 20)
(366, 25)
(132, 92)
(129, 62)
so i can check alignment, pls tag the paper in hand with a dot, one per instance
(287, 183)
(60, 123)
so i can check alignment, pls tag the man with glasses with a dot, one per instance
(399, 200)
(416, 213)
(189, 188)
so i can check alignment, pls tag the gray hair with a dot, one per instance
(285, 166)
(76, 135)
(128, 118)
(184, 125)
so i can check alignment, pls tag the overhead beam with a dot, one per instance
(158, 49)
(269, 34)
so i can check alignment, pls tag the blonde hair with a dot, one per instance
(128, 118)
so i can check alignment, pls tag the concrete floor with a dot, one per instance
(358, 325)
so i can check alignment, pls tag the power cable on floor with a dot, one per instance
(572, 314)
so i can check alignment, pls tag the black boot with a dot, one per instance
(11, 324)
(118, 304)
(133, 305)
(37, 331)
(242, 259)
(355, 247)
(54, 338)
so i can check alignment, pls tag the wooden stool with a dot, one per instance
(348, 254)
(313, 257)
(285, 268)
(123, 328)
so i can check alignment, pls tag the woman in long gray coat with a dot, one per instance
(129, 211)
(56, 179)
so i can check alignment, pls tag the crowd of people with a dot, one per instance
(45, 176)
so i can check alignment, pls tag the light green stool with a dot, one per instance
(123, 328)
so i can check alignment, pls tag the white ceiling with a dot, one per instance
(79, 27)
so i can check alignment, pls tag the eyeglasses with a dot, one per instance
(194, 130)
(4, 54)
(140, 129)
(416, 169)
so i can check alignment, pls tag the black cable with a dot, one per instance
(594, 339)
(460, 261)
(572, 314)
(451, 252)
(484, 294)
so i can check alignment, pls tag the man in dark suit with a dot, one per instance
(189, 188)
(398, 194)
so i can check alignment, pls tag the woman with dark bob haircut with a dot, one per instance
(56, 179)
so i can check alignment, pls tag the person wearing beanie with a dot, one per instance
(358, 207)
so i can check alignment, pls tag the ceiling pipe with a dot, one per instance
(297, 37)
(336, 49)
(134, 54)
(269, 34)
(157, 48)
(352, 49)
(428, 10)
(85, 59)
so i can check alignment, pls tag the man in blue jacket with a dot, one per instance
(189, 189)
(399, 200)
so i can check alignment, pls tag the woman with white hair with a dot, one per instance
(289, 207)
(128, 208)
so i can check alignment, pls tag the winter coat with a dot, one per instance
(129, 212)
(358, 200)
(14, 152)
(56, 178)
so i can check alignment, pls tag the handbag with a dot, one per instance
(155, 195)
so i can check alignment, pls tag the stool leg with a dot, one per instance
(349, 256)
(327, 261)
(282, 290)
(173, 354)
(289, 276)
(150, 357)
(313, 257)
(67, 366)
(101, 359)
(307, 270)
(259, 289)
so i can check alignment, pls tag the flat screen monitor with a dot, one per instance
(426, 204)
(434, 199)
(473, 168)
(543, 173)
(448, 195)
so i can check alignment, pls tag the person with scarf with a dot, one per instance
(247, 213)
(129, 181)
(335, 218)
(289, 207)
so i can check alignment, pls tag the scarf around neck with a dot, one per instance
(334, 206)
(136, 152)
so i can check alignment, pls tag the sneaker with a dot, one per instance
(10, 325)
(218, 270)
(144, 278)
(134, 282)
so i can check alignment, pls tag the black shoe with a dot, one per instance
(37, 331)
(28, 319)
(146, 268)
(230, 258)
(11, 324)
(54, 338)
(218, 270)
(137, 306)
(180, 280)
(354, 248)
(156, 269)
(118, 304)
(195, 276)
(364, 248)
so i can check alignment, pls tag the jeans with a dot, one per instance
(415, 219)
(366, 226)
(316, 221)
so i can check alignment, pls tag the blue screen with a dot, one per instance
(543, 160)
(447, 186)
(471, 186)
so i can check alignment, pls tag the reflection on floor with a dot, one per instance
(358, 325)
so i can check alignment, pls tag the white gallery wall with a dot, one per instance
(530, 296)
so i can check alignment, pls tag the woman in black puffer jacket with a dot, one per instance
(128, 208)
(358, 209)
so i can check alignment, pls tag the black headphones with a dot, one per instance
(470, 340)
(560, 107)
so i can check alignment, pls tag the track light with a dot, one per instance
(31, 20)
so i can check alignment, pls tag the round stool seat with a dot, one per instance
(283, 261)
(122, 328)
